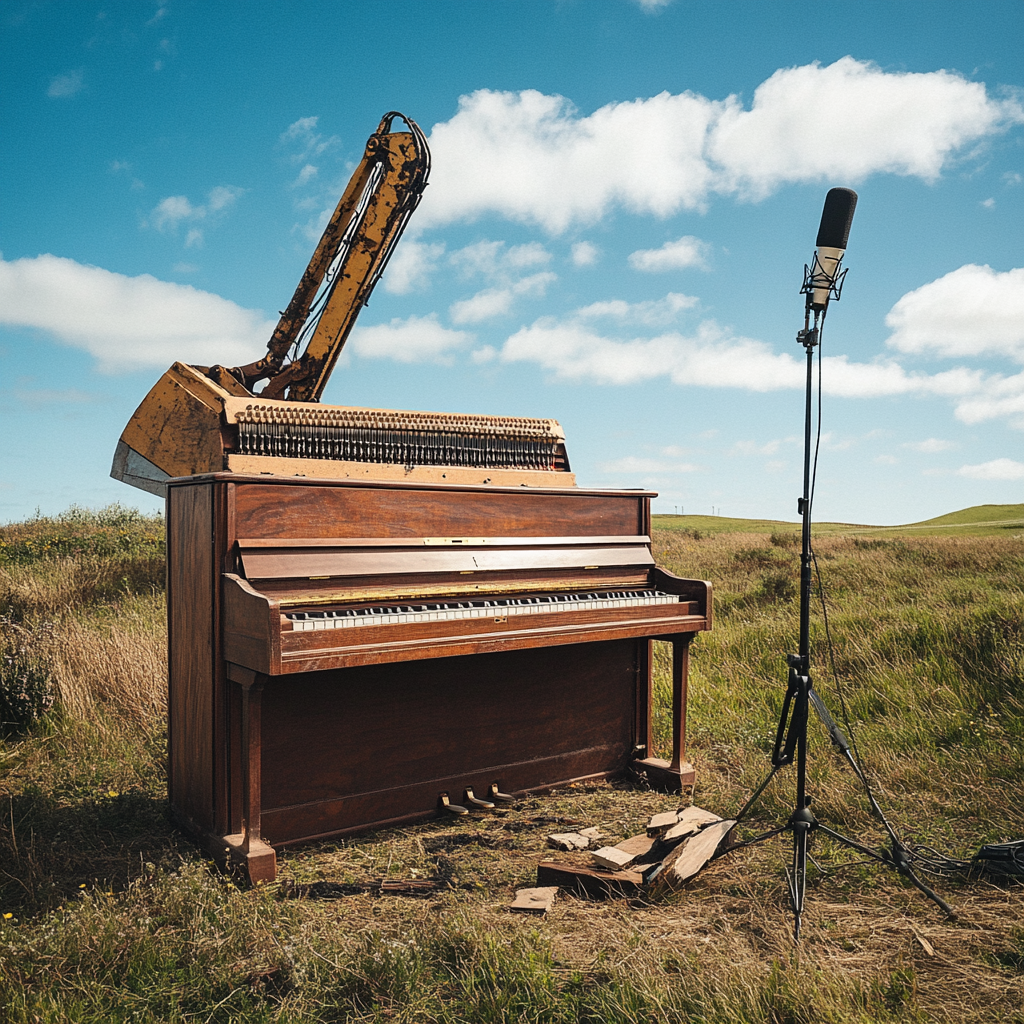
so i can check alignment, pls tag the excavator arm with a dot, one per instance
(353, 252)
(181, 428)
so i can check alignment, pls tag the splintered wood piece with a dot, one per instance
(697, 814)
(691, 819)
(613, 858)
(589, 881)
(534, 901)
(692, 854)
(568, 841)
(661, 822)
(638, 846)
(591, 833)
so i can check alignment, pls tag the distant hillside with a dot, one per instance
(979, 520)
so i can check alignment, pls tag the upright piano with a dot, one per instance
(350, 654)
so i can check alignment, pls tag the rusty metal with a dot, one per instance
(349, 260)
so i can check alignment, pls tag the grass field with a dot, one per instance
(107, 914)
(977, 521)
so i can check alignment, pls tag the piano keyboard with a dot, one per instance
(499, 608)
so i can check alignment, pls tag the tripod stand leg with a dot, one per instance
(798, 879)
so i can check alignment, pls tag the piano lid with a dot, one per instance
(314, 558)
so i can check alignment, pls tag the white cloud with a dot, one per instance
(302, 137)
(634, 464)
(410, 268)
(997, 469)
(169, 212)
(63, 86)
(306, 175)
(849, 120)
(683, 252)
(651, 6)
(585, 254)
(40, 397)
(174, 210)
(485, 354)
(989, 203)
(534, 158)
(652, 312)
(493, 261)
(492, 302)
(504, 268)
(222, 196)
(531, 158)
(932, 446)
(419, 339)
(1001, 397)
(713, 356)
(128, 323)
(887, 460)
(754, 448)
(972, 311)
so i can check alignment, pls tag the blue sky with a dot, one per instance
(622, 199)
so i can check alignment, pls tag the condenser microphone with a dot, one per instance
(833, 234)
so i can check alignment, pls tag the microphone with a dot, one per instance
(824, 278)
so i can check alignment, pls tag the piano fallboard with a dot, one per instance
(260, 629)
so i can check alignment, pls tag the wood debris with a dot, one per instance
(639, 846)
(693, 853)
(568, 841)
(661, 823)
(613, 858)
(589, 881)
(677, 845)
(534, 901)
(381, 887)
(689, 820)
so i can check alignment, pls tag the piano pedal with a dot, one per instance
(476, 803)
(447, 805)
(499, 797)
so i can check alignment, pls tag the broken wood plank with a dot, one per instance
(697, 814)
(384, 886)
(593, 833)
(693, 853)
(661, 823)
(568, 841)
(613, 858)
(534, 901)
(636, 845)
(589, 881)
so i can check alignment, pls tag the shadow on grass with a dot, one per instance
(52, 851)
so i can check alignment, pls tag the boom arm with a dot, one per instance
(353, 252)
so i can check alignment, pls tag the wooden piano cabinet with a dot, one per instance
(268, 749)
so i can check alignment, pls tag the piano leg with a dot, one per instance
(673, 775)
(248, 848)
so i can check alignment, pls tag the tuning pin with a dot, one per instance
(473, 801)
(447, 805)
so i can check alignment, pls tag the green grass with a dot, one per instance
(977, 521)
(115, 917)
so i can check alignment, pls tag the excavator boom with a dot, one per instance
(211, 419)
(172, 433)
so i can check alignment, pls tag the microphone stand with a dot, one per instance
(791, 735)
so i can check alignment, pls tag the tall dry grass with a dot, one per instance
(115, 918)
